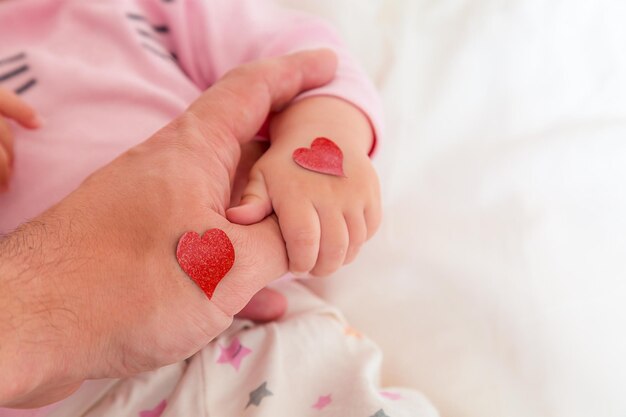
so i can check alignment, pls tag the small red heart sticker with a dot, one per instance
(324, 157)
(206, 259)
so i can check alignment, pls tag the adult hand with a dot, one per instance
(92, 288)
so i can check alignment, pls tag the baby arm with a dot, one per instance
(12, 107)
(324, 219)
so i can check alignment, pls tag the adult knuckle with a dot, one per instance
(242, 105)
(196, 139)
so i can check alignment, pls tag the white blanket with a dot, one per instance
(496, 283)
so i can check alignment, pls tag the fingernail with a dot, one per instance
(300, 274)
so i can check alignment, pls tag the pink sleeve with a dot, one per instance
(214, 36)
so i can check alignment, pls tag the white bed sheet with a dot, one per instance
(496, 283)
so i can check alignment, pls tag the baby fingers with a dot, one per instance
(334, 243)
(300, 226)
(373, 217)
(358, 233)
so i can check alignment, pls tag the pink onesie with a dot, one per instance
(106, 74)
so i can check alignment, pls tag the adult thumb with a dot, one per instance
(239, 102)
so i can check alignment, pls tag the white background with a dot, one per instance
(496, 284)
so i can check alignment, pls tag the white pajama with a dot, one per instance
(308, 363)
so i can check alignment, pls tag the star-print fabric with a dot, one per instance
(306, 364)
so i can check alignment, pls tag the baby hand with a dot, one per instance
(12, 107)
(324, 219)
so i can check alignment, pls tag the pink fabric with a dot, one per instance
(105, 75)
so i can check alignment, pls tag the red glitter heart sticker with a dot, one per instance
(206, 259)
(324, 157)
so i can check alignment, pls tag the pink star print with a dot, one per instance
(322, 402)
(155, 412)
(233, 354)
(391, 395)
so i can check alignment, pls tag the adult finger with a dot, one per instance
(239, 103)
(260, 258)
(13, 107)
